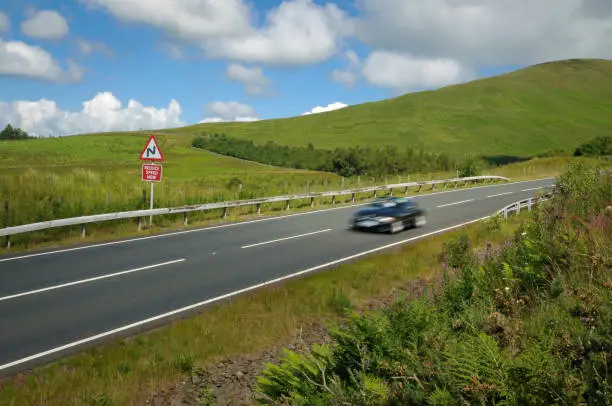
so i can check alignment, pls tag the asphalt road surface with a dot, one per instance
(53, 303)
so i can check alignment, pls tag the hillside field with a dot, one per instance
(556, 105)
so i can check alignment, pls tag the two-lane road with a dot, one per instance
(53, 303)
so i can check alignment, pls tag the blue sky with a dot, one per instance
(401, 46)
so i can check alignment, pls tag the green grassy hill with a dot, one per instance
(523, 113)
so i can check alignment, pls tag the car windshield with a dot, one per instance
(384, 203)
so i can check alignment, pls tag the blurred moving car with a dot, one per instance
(389, 215)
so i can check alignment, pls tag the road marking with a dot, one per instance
(79, 282)
(500, 194)
(197, 230)
(285, 238)
(227, 295)
(452, 204)
(533, 188)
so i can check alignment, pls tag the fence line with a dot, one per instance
(83, 220)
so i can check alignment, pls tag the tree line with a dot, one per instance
(598, 146)
(12, 133)
(347, 162)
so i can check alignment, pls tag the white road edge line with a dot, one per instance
(286, 238)
(227, 295)
(239, 223)
(79, 282)
(452, 204)
(500, 194)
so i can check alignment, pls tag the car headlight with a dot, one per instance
(385, 219)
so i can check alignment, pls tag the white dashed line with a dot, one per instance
(285, 238)
(452, 204)
(97, 278)
(500, 194)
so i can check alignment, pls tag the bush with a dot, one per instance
(532, 326)
(344, 162)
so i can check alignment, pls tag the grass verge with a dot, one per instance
(127, 371)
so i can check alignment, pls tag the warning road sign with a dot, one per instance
(151, 151)
(151, 173)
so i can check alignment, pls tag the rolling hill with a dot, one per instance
(554, 105)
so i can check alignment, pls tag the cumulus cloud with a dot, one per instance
(220, 111)
(405, 72)
(489, 32)
(297, 32)
(45, 24)
(253, 79)
(102, 113)
(323, 109)
(349, 76)
(90, 47)
(5, 24)
(19, 59)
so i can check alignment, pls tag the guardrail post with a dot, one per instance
(83, 231)
(420, 186)
(288, 207)
(185, 218)
(353, 198)
(312, 202)
(6, 224)
(333, 199)
(433, 186)
(444, 186)
(375, 193)
(224, 212)
(139, 224)
(258, 209)
(529, 205)
(390, 191)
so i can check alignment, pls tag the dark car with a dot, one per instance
(389, 215)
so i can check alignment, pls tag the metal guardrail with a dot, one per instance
(83, 220)
(528, 204)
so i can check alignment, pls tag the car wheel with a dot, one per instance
(420, 221)
(396, 227)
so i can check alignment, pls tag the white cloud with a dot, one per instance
(194, 20)
(253, 79)
(297, 32)
(348, 77)
(220, 111)
(489, 32)
(90, 47)
(102, 113)
(405, 72)
(323, 109)
(45, 24)
(5, 24)
(19, 59)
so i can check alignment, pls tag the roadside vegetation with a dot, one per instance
(517, 115)
(531, 325)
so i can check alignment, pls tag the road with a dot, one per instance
(53, 303)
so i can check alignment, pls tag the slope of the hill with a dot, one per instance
(555, 105)
(119, 152)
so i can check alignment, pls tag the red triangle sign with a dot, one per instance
(151, 151)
